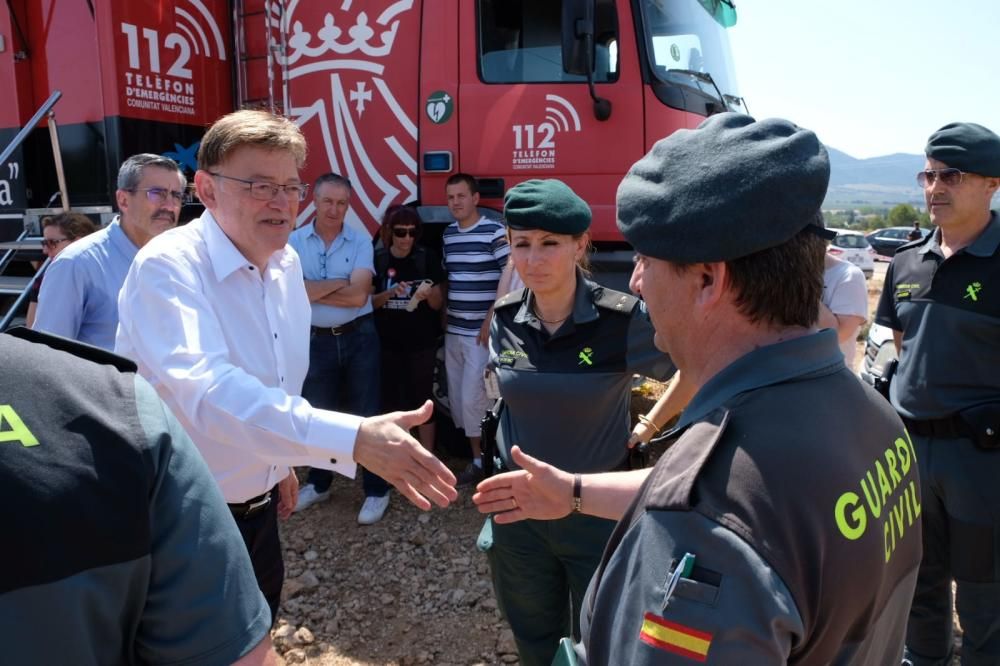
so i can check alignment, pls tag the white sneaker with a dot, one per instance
(373, 509)
(308, 496)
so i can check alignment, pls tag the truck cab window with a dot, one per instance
(520, 42)
(683, 35)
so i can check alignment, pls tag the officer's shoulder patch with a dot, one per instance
(80, 349)
(672, 480)
(616, 301)
(909, 245)
(515, 297)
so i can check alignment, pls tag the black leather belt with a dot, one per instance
(949, 426)
(251, 507)
(343, 328)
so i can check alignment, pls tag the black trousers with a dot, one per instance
(260, 534)
(960, 516)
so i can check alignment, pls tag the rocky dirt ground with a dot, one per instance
(409, 590)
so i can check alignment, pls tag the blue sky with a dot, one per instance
(870, 77)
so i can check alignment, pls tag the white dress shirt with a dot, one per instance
(228, 349)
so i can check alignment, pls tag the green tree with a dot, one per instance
(903, 215)
(877, 222)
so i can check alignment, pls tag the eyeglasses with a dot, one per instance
(403, 232)
(53, 243)
(158, 195)
(949, 177)
(265, 191)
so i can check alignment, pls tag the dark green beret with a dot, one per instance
(730, 188)
(548, 205)
(966, 146)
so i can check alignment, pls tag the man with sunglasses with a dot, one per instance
(337, 263)
(79, 297)
(215, 314)
(942, 300)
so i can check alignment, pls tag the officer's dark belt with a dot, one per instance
(343, 328)
(251, 507)
(947, 427)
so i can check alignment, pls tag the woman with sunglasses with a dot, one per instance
(58, 231)
(407, 301)
(563, 351)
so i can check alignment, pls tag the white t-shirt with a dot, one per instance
(846, 293)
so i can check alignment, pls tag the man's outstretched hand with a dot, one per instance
(538, 491)
(384, 447)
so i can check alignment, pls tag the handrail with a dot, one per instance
(9, 254)
(16, 305)
(26, 130)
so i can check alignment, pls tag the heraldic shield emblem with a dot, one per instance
(351, 85)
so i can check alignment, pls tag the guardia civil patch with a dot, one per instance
(674, 637)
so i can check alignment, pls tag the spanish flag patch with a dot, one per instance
(675, 638)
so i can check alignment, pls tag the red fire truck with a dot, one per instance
(396, 95)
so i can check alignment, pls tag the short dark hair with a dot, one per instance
(782, 285)
(74, 225)
(130, 172)
(331, 179)
(457, 178)
(395, 216)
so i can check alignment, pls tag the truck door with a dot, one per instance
(521, 116)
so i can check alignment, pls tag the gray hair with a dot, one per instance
(131, 170)
(332, 179)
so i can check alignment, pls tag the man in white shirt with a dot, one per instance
(845, 304)
(216, 316)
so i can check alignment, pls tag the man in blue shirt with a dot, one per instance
(79, 297)
(337, 262)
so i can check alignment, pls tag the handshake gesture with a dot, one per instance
(384, 446)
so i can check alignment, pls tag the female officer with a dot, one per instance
(564, 350)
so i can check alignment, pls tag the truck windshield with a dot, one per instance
(684, 35)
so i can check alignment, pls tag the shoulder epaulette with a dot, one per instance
(79, 349)
(915, 243)
(616, 301)
(515, 297)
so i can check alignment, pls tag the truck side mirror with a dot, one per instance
(577, 25)
(578, 48)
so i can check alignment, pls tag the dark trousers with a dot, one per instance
(407, 378)
(344, 376)
(260, 534)
(541, 569)
(960, 510)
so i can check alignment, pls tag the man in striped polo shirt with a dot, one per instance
(475, 254)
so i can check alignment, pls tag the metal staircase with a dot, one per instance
(17, 277)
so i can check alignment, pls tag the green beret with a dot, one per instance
(966, 146)
(730, 188)
(548, 205)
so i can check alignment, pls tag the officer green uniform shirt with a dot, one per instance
(567, 394)
(118, 547)
(795, 488)
(949, 313)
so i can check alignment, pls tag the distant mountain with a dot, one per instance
(885, 180)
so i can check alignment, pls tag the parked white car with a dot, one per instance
(852, 246)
